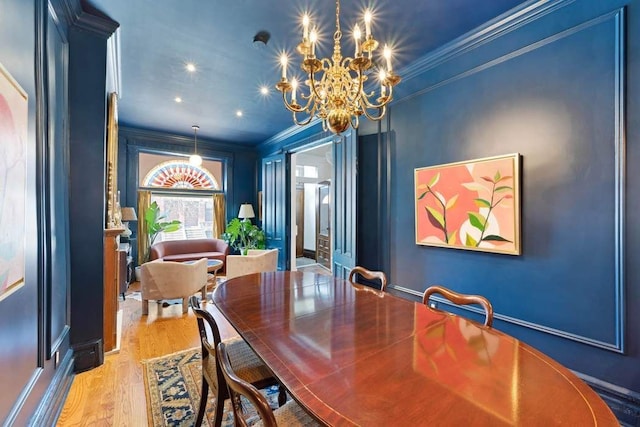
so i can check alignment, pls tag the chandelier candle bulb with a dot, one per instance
(387, 56)
(283, 61)
(383, 89)
(367, 24)
(314, 39)
(294, 86)
(305, 27)
(356, 36)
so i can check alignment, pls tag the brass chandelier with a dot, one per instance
(334, 90)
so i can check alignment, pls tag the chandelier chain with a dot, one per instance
(338, 34)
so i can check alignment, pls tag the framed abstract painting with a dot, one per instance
(13, 174)
(472, 205)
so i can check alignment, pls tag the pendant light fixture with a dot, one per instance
(195, 159)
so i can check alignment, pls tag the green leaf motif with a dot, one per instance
(482, 203)
(452, 201)
(474, 186)
(503, 188)
(504, 178)
(476, 220)
(452, 238)
(434, 180)
(470, 241)
(435, 218)
(496, 178)
(495, 238)
(423, 194)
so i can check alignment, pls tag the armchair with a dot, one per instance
(168, 280)
(255, 261)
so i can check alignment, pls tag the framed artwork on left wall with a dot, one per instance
(14, 114)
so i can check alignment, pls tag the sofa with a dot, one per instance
(189, 250)
(255, 261)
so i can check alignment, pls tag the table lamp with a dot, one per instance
(246, 212)
(128, 214)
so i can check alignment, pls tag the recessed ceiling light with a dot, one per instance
(178, 99)
(239, 113)
(264, 90)
(190, 67)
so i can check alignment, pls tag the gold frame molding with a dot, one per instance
(113, 219)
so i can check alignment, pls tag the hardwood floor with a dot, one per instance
(114, 393)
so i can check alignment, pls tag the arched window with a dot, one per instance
(193, 195)
(180, 174)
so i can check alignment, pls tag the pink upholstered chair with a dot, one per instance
(170, 280)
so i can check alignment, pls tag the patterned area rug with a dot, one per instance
(173, 392)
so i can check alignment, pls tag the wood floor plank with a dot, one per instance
(114, 393)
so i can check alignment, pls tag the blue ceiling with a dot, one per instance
(158, 37)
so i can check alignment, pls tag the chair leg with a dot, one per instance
(185, 305)
(282, 395)
(221, 396)
(203, 402)
(145, 306)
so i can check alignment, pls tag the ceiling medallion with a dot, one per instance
(338, 98)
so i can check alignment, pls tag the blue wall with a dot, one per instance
(550, 90)
(558, 83)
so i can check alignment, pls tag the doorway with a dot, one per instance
(311, 203)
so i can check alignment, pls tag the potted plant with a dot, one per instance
(242, 235)
(155, 225)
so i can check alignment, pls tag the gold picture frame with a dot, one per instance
(113, 219)
(472, 205)
(14, 125)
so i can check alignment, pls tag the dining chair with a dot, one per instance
(246, 363)
(290, 414)
(370, 275)
(461, 299)
(162, 280)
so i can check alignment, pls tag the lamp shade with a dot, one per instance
(129, 214)
(246, 211)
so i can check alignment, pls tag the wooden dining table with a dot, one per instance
(353, 355)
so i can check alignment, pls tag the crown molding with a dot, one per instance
(137, 135)
(114, 75)
(497, 27)
(80, 15)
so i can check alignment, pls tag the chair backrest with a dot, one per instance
(461, 299)
(167, 279)
(256, 261)
(205, 319)
(238, 387)
(370, 275)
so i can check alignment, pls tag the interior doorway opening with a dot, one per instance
(312, 208)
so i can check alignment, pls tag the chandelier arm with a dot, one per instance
(286, 103)
(387, 99)
(381, 110)
(356, 123)
(303, 122)
(309, 99)
(312, 86)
